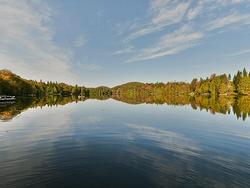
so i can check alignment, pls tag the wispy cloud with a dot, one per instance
(80, 41)
(229, 20)
(180, 25)
(196, 10)
(239, 53)
(89, 67)
(166, 139)
(164, 13)
(170, 44)
(127, 49)
(26, 42)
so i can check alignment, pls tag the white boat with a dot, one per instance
(7, 98)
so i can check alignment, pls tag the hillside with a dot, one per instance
(12, 84)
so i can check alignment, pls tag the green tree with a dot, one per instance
(243, 86)
(244, 72)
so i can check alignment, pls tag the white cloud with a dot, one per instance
(80, 41)
(127, 49)
(26, 42)
(229, 20)
(164, 13)
(170, 44)
(89, 67)
(195, 11)
(239, 53)
(170, 18)
(168, 13)
(228, 2)
(167, 140)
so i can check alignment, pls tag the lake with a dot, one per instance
(112, 144)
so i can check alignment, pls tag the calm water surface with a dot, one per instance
(112, 144)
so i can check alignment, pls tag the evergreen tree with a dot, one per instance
(244, 72)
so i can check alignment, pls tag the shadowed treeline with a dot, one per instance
(11, 110)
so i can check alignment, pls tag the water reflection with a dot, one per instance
(168, 140)
(10, 110)
(114, 144)
(239, 106)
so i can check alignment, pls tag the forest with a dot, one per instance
(12, 84)
(217, 94)
(215, 85)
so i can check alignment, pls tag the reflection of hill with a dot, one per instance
(241, 107)
(136, 93)
(9, 111)
(100, 93)
(151, 99)
(214, 105)
(222, 104)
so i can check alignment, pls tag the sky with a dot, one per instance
(94, 43)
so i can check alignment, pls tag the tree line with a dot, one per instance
(222, 84)
(215, 85)
(12, 84)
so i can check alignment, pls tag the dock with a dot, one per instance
(5, 98)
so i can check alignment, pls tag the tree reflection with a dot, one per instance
(10, 110)
(240, 106)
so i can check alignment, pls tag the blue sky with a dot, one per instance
(93, 42)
